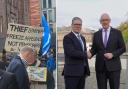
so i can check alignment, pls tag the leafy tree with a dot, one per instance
(124, 29)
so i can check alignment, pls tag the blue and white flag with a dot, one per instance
(46, 37)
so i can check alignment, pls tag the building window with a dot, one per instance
(50, 15)
(44, 4)
(51, 27)
(45, 14)
(49, 3)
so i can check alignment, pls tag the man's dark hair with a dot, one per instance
(76, 18)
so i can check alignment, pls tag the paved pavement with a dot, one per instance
(90, 81)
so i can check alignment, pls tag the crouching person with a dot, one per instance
(19, 64)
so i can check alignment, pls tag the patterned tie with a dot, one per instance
(105, 38)
(82, 45)
(81, 42)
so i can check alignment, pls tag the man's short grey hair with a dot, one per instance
(105, 14)
(26, 49)
(76, 18)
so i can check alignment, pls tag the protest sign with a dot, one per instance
(22, 35)
(37, 74)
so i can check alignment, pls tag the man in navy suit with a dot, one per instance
(76, 66)
(108, 45)
(18, 66)
(8, 80)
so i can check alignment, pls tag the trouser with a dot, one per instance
(112, 76)
(74, 82)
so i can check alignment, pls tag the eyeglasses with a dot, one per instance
(104, 19)
(77, 24)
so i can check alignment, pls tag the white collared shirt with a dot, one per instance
(76, 34)
(103, 33)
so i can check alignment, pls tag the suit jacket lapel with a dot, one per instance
(76, 40)
(110, 37)
(83, 43)
(101, 38)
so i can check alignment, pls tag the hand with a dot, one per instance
(89, 55)
(108, 55)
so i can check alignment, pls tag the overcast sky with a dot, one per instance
(90, 11)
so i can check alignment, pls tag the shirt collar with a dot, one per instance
(103, 30)
(76, 34)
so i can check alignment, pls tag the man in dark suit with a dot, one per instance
(108, 45)
(19, 64)
(7, 80)
(76, 66)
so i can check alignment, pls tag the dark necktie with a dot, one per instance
(105, 38)
(81, 42)
(82, 45)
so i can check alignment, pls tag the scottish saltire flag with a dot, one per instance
(46, 37)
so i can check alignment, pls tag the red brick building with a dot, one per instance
(34, 12)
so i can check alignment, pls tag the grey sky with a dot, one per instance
(90, 11)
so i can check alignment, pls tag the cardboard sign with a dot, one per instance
(22, 35)
(37, 74)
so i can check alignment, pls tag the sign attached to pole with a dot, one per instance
(22, 35)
